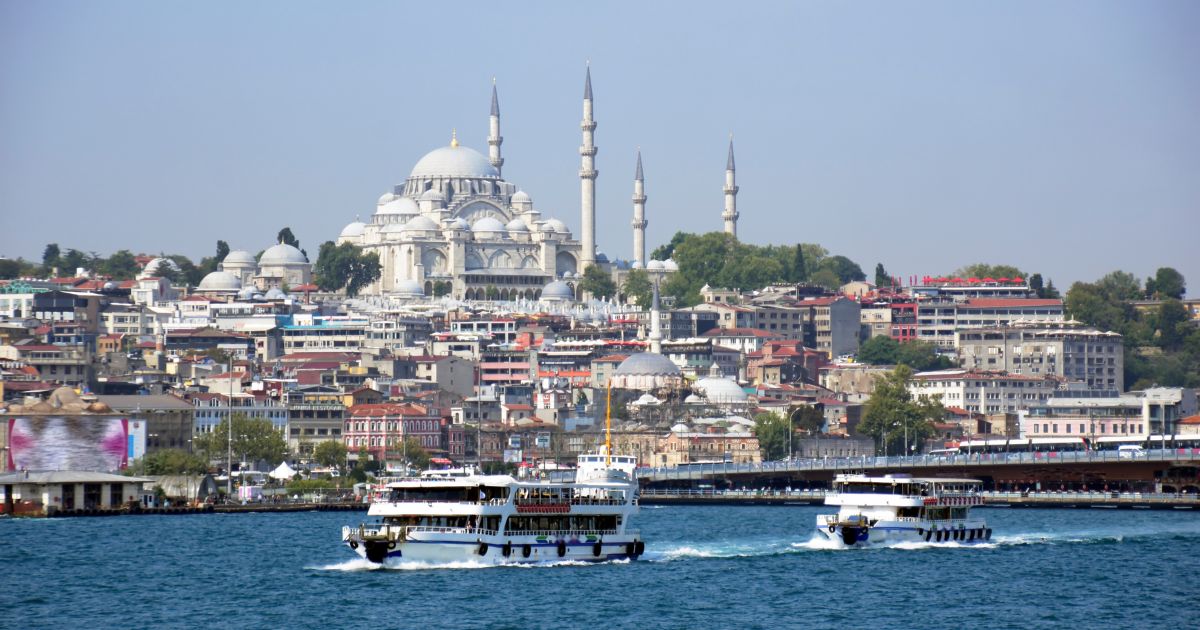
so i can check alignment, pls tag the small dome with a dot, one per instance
(353, 230)
(392, 228)
(601, 257)
(419, 224)
(517, 225)
(152, 267)
(488, 224)
(247, 292)
(275, 294)
(385, 198)
(239, 257)
(558, 290)
(282, 254)
(457, 223)
(637, 264)
(669, 265)
(721, 390)
(655, 265)
(220, 281)
(521, 197)
(399, 205)
(558, 226)
(454, 161)
(432, 194)
(410, 288)
(568, 274)
(110, 286)
(647, 364)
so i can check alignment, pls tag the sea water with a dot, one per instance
(704, 567)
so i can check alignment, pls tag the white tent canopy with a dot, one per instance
(283, 472)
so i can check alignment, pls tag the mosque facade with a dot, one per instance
(457, 227)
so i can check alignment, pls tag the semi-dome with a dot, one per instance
(558, 226)
(220, 281)
(239, 257)
(432, 194)
(353, 230)
(410, 288)
(392, 228)
(454, 161)
(558, 290)
(420, 223)
(399, 205)
(385, 198)
(488, 225)
(282, 254)
(516, 225)
(647, 364)
(721, 390)
(457, 223)
(521, 197)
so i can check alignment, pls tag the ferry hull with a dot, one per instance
(970, 532)
(497, 550)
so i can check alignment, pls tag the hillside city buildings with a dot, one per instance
(478, 345)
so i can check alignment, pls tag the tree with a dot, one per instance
(845, 269)
(253, 439)
(637, 287)
(169, 462)
(880, 350)
(413, 454)
(921, 356)
(222, 251)
(51, 255)
(799, 268)
(1173, 324)
(772, 431)
(808, 419)
(121, 265)
(825, 278)
(189, 273)
(663, 252)
(442, 287)
(286, 237)
(881, 276)
(892, 415)
(331, 454)
(74, 259)
(984, 270)
(1166, 283)
(598, 282)
(346, 267)
(9, 269)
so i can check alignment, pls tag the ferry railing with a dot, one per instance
(570, 532)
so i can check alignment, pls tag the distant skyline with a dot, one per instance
(1062, 138)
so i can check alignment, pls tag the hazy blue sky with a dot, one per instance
(1062, 137)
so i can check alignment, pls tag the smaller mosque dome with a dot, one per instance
(153, 267)
(517, 225)
(655, 265)
(521, 197)
(399, 205)
(282, 254)
(647, 364)
(457, 223)
(275, 294)
(239, 257)
(669, 265)
(558, 291)
(558, 226)
(392, 228)
(432, 194)
(247, 292)
(385, 198)
(601, 257)
(420, 223)
(220, 281)
(489, 227)
(637, 264)
(353, 230)
(721, 390)
(410, 288)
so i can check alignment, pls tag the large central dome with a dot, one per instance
(454, 161)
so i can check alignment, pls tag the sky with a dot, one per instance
(1062, 138)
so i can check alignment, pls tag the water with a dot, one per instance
(705, 566)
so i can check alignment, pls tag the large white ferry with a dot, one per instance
(499, 519)
(901, 508)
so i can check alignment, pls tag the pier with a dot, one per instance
(344, 506)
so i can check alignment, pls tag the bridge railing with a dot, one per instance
(896, 462)
(994, 496)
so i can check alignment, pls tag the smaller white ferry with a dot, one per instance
(902, 508)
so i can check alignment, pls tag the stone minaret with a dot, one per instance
(730, 214)
(587, 179)
(494, 137)
(639, 216)
(655, 323)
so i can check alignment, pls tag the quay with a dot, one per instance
(346, 506)
(1069, 500)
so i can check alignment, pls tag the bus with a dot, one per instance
(1024, 445)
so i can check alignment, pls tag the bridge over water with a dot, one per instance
(1175, 467)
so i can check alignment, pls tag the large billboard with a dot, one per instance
(83, 443)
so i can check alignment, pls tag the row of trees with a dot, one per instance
(1162, 343)
(918, 355)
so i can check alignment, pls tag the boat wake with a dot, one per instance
(718, 550)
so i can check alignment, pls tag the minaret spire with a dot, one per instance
(655, 323)
(730, 215)
(587, 179)
(639, 216)
(494, 137)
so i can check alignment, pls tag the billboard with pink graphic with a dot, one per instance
(82, 443)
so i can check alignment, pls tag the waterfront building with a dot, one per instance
(316, 414)
(1092, 414)
(984, 391)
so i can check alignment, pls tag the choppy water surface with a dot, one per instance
(746, 567)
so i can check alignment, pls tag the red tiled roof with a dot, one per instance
(612, 358)
(519, 407)
(386, 409)
(1190, 420)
